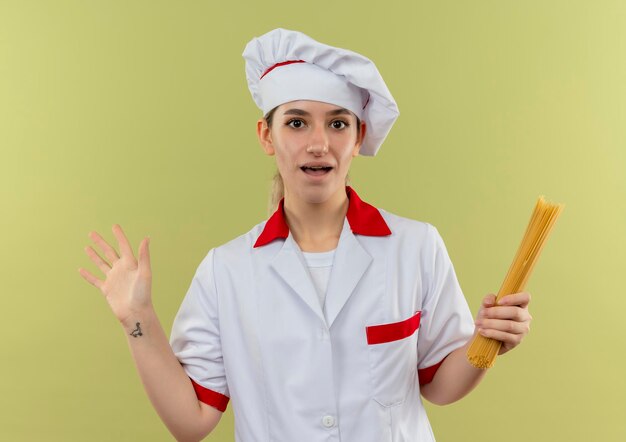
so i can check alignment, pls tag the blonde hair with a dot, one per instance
(277, 191)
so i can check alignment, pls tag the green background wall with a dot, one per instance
(138, 113)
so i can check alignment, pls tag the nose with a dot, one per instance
(317, 150)
(318, 143)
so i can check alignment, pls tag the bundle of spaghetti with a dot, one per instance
(483, 351)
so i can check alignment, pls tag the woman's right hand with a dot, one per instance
(127, 286)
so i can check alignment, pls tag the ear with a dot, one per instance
(361, 136)
(265, 136)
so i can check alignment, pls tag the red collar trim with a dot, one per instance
(364, 219)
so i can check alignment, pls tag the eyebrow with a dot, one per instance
(341, 111)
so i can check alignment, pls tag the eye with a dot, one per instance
(295, 120)
(336, 126)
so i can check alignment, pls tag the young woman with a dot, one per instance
(331, 319)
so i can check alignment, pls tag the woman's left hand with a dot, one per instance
(508, 321)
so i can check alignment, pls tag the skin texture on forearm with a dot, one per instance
(454, 379)
(165, 381)
(127, 288)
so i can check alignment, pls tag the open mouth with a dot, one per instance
(316, 170)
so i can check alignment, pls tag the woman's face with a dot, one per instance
(314, 143)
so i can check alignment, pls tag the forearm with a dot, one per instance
(507, 322)
(165, 381)
(454, 379)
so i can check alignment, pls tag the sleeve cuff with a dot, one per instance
(210, 397)
(427, 374)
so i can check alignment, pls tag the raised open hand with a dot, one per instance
(127, 286)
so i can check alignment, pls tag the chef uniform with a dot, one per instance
(312, 356)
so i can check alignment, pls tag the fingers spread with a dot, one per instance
(90, 278)
(102, 264)
(109, 251)
(125, 248)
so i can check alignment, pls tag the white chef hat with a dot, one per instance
(284, 65)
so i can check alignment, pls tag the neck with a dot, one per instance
(316, 227)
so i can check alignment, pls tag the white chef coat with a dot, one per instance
(251, 329)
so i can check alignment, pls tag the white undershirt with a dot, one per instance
(320, 264)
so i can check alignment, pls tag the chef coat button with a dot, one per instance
(328, 421)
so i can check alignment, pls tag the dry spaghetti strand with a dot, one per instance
(483, 351)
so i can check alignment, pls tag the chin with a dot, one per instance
(319, 194)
